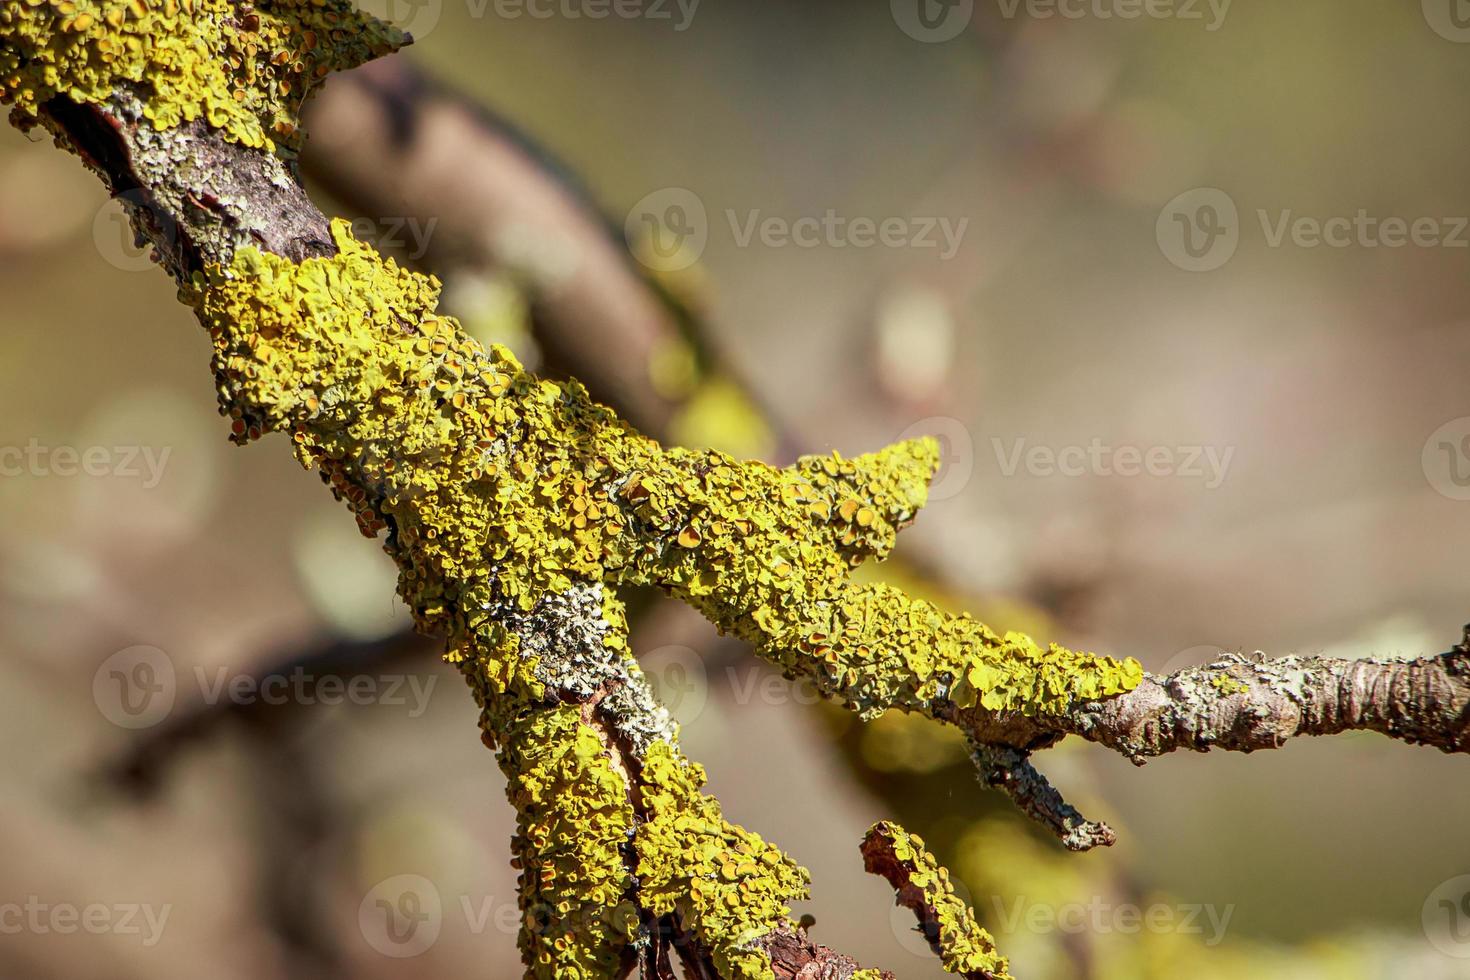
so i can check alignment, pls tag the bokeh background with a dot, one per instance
(1116, 281)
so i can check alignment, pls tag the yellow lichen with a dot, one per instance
(573, 819)
(476, 464)
(1228, 685)
(923, 885)
(499, 490)
(245, 71)
(729, 887)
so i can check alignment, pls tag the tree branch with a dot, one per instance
(1242, 705)
(614, 832)
(514, 506)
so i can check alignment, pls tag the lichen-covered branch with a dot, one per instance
(614, 830)
(1010, 770)
(922, 886)
(515, 507)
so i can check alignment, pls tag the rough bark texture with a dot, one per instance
(1242, 705)
(795, 957)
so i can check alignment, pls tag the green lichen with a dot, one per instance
(924, 886)
(500, 491)
(246, 71)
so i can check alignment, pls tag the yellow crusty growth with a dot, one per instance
(499, 490)
(245, 71)
(964, 947)
(729, 887)
(476, 465)
(573, 819)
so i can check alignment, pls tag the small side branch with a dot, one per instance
(1010, 771)
(922, 886)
